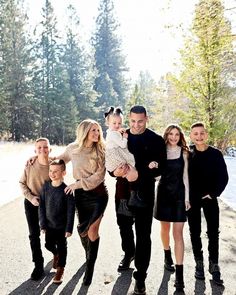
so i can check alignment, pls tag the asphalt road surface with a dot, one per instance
(16, 265)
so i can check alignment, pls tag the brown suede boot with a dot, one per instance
(59, 275)
(55, 261)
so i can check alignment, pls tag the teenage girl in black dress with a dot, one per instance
(173, 199)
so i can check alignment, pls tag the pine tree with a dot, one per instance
(110, 62)
(16, 115)
(55, 102)
(144, 93)
(80, 68)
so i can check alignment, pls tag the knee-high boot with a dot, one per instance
(91, 259)
(85, 244)
(179, 279)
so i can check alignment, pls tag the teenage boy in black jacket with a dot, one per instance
(208, 178)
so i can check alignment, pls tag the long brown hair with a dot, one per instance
(182, 142)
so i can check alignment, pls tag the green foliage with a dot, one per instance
(144, 93)
(206, 75)
(79, 65)
(56, 104)
(15, 59)
(110, 82)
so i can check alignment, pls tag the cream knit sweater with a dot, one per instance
(88, 169)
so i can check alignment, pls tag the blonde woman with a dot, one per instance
(173, 200)
(87, 155)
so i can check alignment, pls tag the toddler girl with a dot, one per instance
(117, 153)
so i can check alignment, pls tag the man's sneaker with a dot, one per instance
(125, 263)
(139, 288)
(37, 273)
(59, 275)
(199, 270)
(214, 270)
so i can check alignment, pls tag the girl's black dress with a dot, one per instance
(170, 197)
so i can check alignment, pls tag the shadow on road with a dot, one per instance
(70, 286)
(43, 286)
(163, 289)
(31, 287)
(123, 282)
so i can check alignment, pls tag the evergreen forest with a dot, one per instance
(51, 80)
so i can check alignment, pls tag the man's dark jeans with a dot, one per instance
(143, 224)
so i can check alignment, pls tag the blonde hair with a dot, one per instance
(182, 142)
(82, 137)
(42, 139)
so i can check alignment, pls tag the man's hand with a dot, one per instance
(43, 231)
(67, 235)
(35, 201)
(121, 171)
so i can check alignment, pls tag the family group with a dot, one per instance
(190, 178)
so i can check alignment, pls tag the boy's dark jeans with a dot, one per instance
(56, 242)
(32, 216)
(211, 212)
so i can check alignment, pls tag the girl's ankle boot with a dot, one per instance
(168, 262)
(179, 279)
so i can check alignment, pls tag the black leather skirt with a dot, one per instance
(90, 206)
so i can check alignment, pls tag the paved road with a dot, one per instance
(16, 266)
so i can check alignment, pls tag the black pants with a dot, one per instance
(32, 217)
(143, 224)
(56, 242)
(211, 213)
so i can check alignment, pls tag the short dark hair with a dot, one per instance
(137, 109)
(59, 162)
(113, 111)
(198, 124)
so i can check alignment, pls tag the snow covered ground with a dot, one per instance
(229, 194)
(13, 157)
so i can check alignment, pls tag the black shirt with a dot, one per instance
(147, 147)
(57, 209)
(207, 173)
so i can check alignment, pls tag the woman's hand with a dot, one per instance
(187, 206)
(30, 161)
(71, 188)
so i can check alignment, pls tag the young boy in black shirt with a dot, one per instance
(57, 212)
(208, 178)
